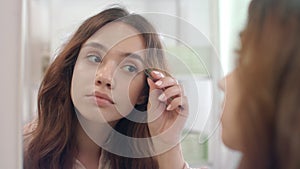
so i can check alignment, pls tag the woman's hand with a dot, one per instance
(167, 111)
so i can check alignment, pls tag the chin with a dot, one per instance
(230, 143)
(111, 117)
(227, 141)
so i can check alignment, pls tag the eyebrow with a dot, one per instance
(95, 45)
(134, 56)
(104, 48)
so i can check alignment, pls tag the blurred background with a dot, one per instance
(199, 35)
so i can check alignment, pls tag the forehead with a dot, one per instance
(119, 35)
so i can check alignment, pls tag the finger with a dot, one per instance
(154, 93)
(180, 105)
(166, 82)
(156, 75)
(155, 108)
(151, 84)
(170, 93)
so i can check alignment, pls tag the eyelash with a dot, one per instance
(130, 67)
(91, 58)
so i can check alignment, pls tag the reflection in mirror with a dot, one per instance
(187, 32)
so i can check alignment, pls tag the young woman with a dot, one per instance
(98, 78)
(261, 112)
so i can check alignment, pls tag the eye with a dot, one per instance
(130, 68)
(94, 58)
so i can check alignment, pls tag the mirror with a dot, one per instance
(189, 32)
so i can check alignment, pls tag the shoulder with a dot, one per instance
(29, 127)
(27, 132)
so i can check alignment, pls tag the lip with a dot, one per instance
(102, 99)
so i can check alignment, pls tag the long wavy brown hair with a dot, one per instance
(269, 75)
(53, 143)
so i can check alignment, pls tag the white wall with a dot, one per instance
(232, 14)
(10, 70)
(65, 16)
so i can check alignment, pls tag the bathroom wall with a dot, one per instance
(10, 86)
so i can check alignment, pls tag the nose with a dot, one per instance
(104, 75)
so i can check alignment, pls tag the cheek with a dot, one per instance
(231, 132)
(75, 85)
(135, 89)
(83, 74)
(126, 93)
(82, 79)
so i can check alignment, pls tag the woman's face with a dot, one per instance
(108, 76)
(231, 129)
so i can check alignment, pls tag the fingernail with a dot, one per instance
(158, 83)
(169, 107)
(162, 97)
(158, 73)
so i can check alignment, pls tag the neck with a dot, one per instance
(96, 132)
(85, 143)
(90, 137)
(88, 151)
